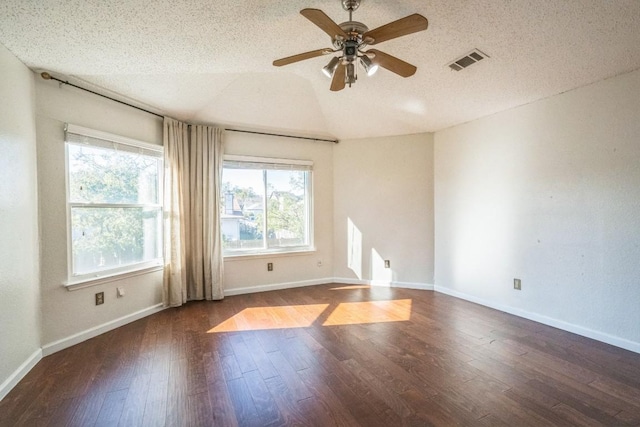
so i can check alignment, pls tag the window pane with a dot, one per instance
(106, 238)
(242, 213)
(101, 175)
(286, 208)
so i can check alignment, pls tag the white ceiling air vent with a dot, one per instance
(469, 59)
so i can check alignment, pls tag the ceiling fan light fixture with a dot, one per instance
(369, 67)
(330, 68)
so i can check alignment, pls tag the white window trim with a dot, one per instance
(307, 165)
(80, 281)
(266, 160)
(144, 268)
(92, 133)
(260, 255)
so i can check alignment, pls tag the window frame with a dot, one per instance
(272, 163)
(75, 281)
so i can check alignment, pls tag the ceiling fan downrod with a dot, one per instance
(350, 6)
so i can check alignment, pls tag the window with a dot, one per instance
(267, 205)
(114, 204)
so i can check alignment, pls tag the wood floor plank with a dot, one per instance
(135, 401)
(370, 381)
(591, 409)
(289, 376)
(257, 352)
(266, 407)
(325, 404)
(360, 408)
(575, 417)
(63, 413)
(437, 413)
(331, 355)
(111, 409)
(621, 391)
(199, 412)
(177, 392)
(245, 409)
(230, 367)
(289, 406)
(222, 409)
(242, 354)
(155, 406)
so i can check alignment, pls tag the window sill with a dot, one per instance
(257, 255)
(94, 281)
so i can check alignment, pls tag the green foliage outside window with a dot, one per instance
(113, 219)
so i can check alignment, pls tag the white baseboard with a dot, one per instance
(549, 321)
(276, 286)
(404, 285)
(19, 373)
(63, 343)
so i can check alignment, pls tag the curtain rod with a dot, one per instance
(48, 76)
(335, 141)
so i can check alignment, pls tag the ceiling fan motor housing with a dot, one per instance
(354, 29)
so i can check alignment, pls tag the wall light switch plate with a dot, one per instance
(387, 263)
(517, 284)
(120, 291)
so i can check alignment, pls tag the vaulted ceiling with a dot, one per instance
(210, 61)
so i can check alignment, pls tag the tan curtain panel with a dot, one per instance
(192, 237)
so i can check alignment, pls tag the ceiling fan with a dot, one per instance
(350, 38)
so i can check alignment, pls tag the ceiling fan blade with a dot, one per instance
(392, 63)
(402, 27)
(325, 23)
(301, 57)
(337, 83)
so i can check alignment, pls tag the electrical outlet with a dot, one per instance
(99, 298)
(517, 284)
(269, 266)
(387, 263)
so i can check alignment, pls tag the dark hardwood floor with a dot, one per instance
(331, 355)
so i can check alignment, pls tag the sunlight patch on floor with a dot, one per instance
(303, 316)
(352, 313)
(277, 317)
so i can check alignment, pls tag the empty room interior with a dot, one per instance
(320, 212)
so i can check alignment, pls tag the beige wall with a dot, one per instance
(250, 273)
(66, 313)
(548, 193)
(383, 210)
(19, 260)
(71, 316)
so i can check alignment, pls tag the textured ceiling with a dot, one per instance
(210, 61)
